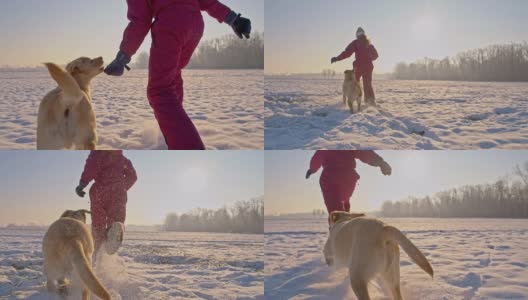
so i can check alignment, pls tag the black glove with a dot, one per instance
(385, 168)
(308, 173)
(117, 67)
(241, 26)
(79, 189)
(333, 60)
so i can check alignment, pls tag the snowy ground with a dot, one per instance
(306, 112)
(472, 259)
(151, 265)
(226, 106)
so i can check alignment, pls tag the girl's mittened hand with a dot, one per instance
(241, 26)
(79, 191)
(308, 173)
(385, 168)
(117, 67)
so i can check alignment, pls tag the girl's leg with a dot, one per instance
(332, 198)
(367, 86)
(98, 217)
(115, 199)
(172, 47)
(117, 209)
(348, 191)
(358, 74)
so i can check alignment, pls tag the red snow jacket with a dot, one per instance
(339, 166)
(365, 54)
(109, 168)
(141, 13)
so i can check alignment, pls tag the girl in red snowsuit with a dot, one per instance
(339, 176)
(114, 175)
(176, 32)
(363, 65)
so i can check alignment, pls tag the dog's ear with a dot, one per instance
(65, 80)
(75, 70)
(343, 215)
(335, 216)
(353, 216)
(67, 213)
(81, 215)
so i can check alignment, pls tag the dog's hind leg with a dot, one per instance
(86, 294)
(328, 255)
(360, 289)
(391, 276)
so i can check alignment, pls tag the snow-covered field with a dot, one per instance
(472, 259)
(226, 106)
(306, 112)
(151, 265)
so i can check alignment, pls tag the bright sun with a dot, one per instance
(425, 28)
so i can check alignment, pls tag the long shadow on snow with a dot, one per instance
(312, 123)
(312, 278)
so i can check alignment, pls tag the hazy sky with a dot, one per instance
(302, 36)
(38, 186)
(415, 173)
(36, 31)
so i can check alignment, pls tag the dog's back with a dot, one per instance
(65, 117)
(370, 248)
(58, 125)
(356, 239)
(68, 245)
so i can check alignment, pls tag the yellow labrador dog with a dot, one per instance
(352, 91)
(66, 118)
(68, 245)
(369, 248)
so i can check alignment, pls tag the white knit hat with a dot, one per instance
(360, 32)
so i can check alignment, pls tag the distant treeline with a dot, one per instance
(242, 217)
(227, 52)
(502, 199)
(495, 63)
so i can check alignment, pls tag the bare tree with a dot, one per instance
(242, 217)
(507, 62)
(142, 61)
(502, 199)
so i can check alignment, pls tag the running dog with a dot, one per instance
(66, 118)
(369, 248)
(352, 91)
(68, 245)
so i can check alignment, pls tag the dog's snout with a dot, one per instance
(98, 60)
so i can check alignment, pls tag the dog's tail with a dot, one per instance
(72, 92)
(393, 234)
(84, 269)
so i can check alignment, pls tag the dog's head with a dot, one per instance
(350, 75)
(341, 216)
(85, 67)
(76, 214)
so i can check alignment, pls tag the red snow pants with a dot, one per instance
(365, 72)
(175, 35)
(108, 205)
(337, 196)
